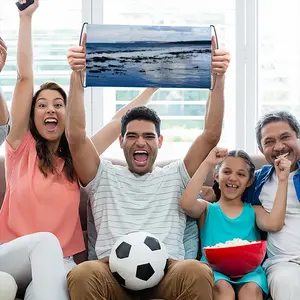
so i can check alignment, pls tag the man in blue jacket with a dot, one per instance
(277, 134)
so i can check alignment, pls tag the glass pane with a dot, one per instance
(176, 110)
(52, 36)
(56, 27)
(178, 131)
(279, 60)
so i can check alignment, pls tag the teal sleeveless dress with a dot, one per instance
(218, 228)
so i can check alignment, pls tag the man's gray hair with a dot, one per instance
(276, 116)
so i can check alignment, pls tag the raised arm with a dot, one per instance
(189, 199)
(22, 98)
(110, 132)
(214, 113)
(84, 154)
(80, 145)
(3, 107)
(274, 221)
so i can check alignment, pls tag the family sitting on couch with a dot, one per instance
(49, 161)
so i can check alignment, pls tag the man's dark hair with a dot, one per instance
(276, 116)
(140, 113)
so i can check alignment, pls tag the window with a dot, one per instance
(279, 60)
(264, 73)
(182, 110)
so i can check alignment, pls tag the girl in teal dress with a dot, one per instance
(231, 218)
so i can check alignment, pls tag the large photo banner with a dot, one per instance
(148, 56)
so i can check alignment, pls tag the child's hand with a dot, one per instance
(282, 167)
(216, 156)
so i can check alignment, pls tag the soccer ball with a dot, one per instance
(138, 260)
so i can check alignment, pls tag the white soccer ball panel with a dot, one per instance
(136, 284)
(134, 264)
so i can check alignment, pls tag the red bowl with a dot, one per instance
(236, 261)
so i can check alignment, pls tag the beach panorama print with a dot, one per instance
(148, 56)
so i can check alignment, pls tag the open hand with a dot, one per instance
(3, 54)
(77, 56)
(282, 167)
(220, 59)
(216, 156)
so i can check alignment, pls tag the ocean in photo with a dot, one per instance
(149, 64)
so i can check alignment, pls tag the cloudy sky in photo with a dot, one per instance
(122, 33)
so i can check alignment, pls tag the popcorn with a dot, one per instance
(234, 242)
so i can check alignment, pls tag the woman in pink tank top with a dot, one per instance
(39, 218)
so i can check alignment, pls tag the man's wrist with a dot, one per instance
(220, 81)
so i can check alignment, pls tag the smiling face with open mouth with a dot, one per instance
(140, 145)
(233, 177)
(278, 138)
(49, 115)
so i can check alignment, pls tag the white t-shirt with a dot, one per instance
(122, 202)
(285, 244)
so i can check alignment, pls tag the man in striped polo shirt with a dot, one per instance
(138, 196)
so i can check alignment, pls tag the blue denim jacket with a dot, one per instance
(261, 176)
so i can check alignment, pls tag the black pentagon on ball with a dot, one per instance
(119, 278)
(144, 272)
(123, 250)
(152, 243)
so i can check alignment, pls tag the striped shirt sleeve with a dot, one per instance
(91, 188)
(185, 177)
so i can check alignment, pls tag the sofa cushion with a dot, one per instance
(191, 239)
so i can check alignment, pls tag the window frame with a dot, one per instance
(247, 69)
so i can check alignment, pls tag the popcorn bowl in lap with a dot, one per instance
(138, 260)
(236, 258)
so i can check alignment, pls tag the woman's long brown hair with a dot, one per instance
(46, 158)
